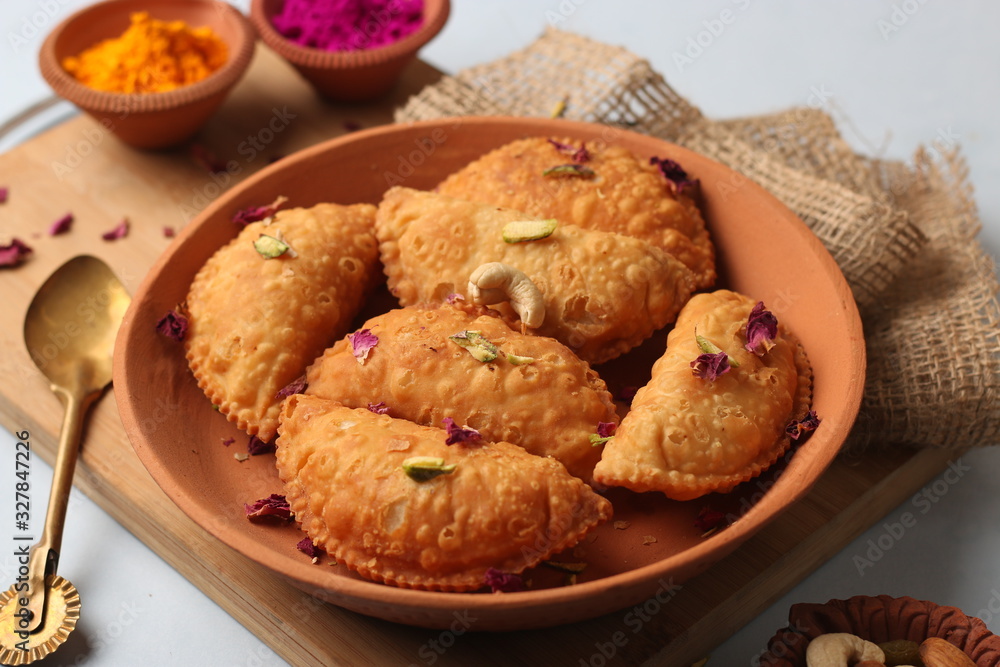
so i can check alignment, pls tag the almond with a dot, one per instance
(937, 652)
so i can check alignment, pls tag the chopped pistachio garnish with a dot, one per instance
(478, 346)
(597, 440)
(518, 360)
(570, 171)
(528, 230)
(426, 468)
(270, 247)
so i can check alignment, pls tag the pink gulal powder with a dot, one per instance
(348, 25)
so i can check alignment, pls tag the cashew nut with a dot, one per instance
(840, 649)
(495, 282)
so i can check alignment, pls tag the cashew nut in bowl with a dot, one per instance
(495, 282)
(840, 649)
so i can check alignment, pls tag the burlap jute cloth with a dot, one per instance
(903, 234)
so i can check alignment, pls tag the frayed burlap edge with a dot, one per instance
(902, 234)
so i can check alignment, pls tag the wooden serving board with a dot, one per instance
(77, 167)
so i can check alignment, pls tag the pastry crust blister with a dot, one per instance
(686, 436)
(501, 508)
(604, 293)
(255, 324)
(550, 405)
(626, 196)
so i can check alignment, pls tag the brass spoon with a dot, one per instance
(69, 330)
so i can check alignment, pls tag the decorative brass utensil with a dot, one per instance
(69, 330)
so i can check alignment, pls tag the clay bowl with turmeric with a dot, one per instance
(350, 76)
(148, 120)
(763, 250)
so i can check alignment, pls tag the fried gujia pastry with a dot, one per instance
(255, 324)
(543, 398)
(624, 195)
(686, 435)
(496, 506)
(604, 293)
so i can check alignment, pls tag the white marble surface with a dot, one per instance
(895, 75)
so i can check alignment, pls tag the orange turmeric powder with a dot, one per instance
(151, 56)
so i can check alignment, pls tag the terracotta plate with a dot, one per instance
(764, 250)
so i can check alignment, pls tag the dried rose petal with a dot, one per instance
(762, 328)
(569, 171)
(206, 159)
(169, 232)
(605, 431)
(804, 426)
(503, 582)
(4, 193)
(580, 154)
(709, 519)
(458, 434)
(675, 174)
(274, 506)
(62, 225)
(256, 213)
(351, 126)
(117, 232)
(379, 408)
(362, 343)
(627, 393)
(454, 298)
(307, 547)
(256, 446)
(296, 386)
(14, 253)
(173, 325)
(710, 366)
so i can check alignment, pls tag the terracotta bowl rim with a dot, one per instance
(435, 17)
(317, 579)
(90, 99)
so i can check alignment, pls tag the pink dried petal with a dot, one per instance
(4, 193)
(606, 429)
(169, 232)
(454, 298)
(14, 253)
(709, 519)
(256, 446)
(307, 547)
(675, 174)
(173, 325)
(255, 213)
(379, 408)
(503, 582)
(458, 434)
(275, 506)
(579, 155)
(119, 231)
(362, 343)
(296, 386)
(710, 366)
(228, 441)
(762, 328)
(804, 426)
(206, 159)
(62, 225)
(351, 126)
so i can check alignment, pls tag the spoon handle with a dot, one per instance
(44, 557)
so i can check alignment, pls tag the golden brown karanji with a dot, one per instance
(463, 363)
(393, 502)
(606, 188)
(699, 427)
(603, 293)
(256, 322)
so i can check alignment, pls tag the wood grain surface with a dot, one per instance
(77, 167)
